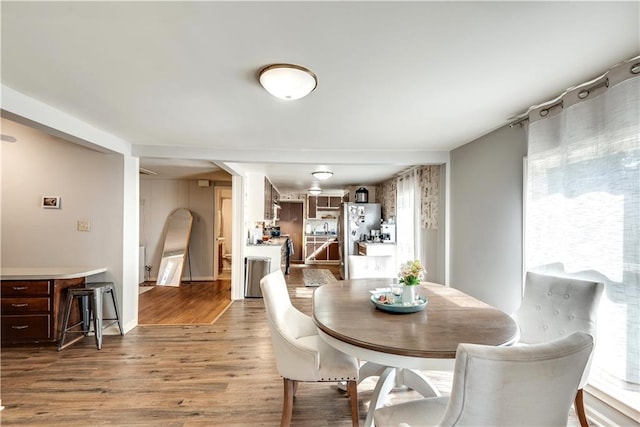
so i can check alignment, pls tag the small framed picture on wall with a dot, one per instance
(51, 202)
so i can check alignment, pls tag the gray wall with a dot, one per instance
(486, 217)
(89, 184)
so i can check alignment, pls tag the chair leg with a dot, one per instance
(85, 308)
(578, 404)
(115, 309)
(97, 317)
(352, 391)
(65, 321)
(287, 404)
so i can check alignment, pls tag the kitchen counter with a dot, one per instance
(48, 273)
(274, 241)
(274, 249)
(377, 243)
(376, 249)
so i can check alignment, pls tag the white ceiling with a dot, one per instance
(398, 81)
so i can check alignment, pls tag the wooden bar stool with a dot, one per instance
(90, 298)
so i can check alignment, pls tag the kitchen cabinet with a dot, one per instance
(321, 249)
(322, 203)
(312, 207)
(270, 197)
(329, 202)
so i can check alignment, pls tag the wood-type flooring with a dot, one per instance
(190, 303)
(219, 374)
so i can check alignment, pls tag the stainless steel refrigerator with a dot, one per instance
(356, 221)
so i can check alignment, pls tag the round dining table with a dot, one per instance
(398, 346)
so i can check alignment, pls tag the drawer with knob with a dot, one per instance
(25, 305)
(26, 288)
(26, 328)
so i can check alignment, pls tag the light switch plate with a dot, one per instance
(84, 225)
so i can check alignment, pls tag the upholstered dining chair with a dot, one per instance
(301, 355)
(371, 267)
(554, 307)
(502, 386)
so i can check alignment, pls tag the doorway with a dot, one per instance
(223, 232)
(203, 300)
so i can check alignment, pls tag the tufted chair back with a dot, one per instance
(300, 353)
(554, 307)
(371, 267)
(503, 386)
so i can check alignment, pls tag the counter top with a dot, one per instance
(386, 243)
(44, 273)
(274, 241)
(321, 234)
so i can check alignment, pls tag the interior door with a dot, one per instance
(291, 219)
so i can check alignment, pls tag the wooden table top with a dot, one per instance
(344, 311)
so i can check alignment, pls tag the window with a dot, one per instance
(408, 218)
(582, 220)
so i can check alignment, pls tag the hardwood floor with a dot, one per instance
(190, 303)
(220, 374)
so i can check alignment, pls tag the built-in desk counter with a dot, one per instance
(32, 301)
(48, 273)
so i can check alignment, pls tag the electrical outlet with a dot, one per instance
(84, 225)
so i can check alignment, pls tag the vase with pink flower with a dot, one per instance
(411, 273)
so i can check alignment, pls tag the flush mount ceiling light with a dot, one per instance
(322, 175)
(287, 81)
(315, 191)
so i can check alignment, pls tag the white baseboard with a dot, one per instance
(600, 409)
(194, 279)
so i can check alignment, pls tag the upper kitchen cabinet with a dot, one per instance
(261, 198)
(322, 203)
(270, 199)
(329, 202)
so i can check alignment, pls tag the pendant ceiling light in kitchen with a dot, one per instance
(287, 81)
(322, 175)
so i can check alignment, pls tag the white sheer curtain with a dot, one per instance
(408, 231)
(583, 211)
